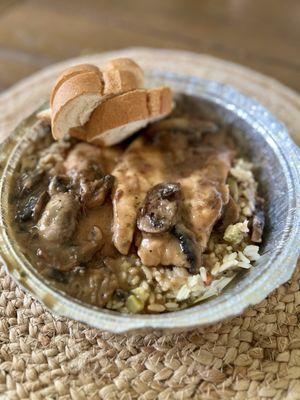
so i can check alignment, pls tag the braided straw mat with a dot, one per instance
(254, 356)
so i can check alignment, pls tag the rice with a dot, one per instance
(251, 252)
(171, 306)
(242, 171)
(243, 258)
(183, 293)
(147, 273)
(228, 265)
(156, 308)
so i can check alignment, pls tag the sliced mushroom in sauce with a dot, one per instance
(67, 257)
(160, 209)
(58, 184)
(94, 242)
(59, 219)
(189, 247)
(33, 207)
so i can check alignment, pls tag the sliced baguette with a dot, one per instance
(129, 66)
(69, 73)
(119, 117)
(74, 102)
(80, 89)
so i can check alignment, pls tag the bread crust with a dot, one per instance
(80, 85)
(78, 133)
(117, 111)
(69, 73)
(159, 100)
(118, 82)
(77, 85)
(127, 64)
(128, 108)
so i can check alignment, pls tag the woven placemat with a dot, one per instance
(254, 356)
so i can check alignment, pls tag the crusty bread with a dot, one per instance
(119, 117)
(74, 102)
(160, 101)
(45, 115)
(69, 73)
(129, 66)
(118, 82)
(80, 89)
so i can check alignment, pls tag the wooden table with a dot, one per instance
(262, 34)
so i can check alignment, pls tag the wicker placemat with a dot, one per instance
(254, 356)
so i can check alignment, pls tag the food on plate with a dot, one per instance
(156, 223)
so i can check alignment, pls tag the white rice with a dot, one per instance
(203, 274)
(156, 308)
(251, 252)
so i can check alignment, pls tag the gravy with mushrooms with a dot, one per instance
(99, 221)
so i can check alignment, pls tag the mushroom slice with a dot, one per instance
(39, 205)
(189, 247)
(160, 209)
(231, 214)
(191, 125)
(33, 207)
(59, 219)
(97, 191)
(258, 224)
(58, 184)
(67, 257)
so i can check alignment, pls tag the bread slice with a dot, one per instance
(69, 73)
(45, 115)
(74, 102)
(119, 117)
(80, 89)
(130, 67)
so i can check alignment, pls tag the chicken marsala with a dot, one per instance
(156, 224)
(198, 167)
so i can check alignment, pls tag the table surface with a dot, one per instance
(261, 34)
